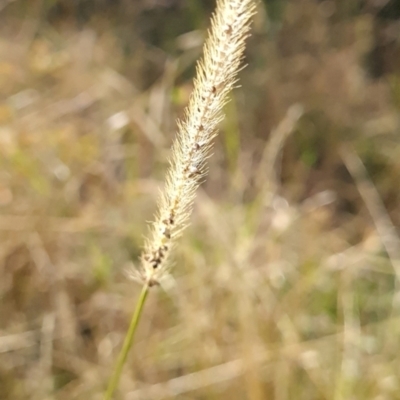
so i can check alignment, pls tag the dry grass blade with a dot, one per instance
(376, 208)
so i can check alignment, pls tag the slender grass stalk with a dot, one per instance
(114, 380)
(216, 77)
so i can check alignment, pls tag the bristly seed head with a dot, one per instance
(216, 77)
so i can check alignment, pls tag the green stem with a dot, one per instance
(113, 382)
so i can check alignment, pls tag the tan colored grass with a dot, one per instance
(216, 77)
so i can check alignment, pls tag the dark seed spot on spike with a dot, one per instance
(152, 282)
(167, 233)
(213, 90)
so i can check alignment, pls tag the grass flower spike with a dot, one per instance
(216, 76)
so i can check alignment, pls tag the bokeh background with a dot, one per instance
(284, 286)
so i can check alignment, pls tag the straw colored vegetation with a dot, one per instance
(284, 285)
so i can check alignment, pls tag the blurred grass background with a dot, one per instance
(284, 286)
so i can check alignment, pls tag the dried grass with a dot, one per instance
(319, 319)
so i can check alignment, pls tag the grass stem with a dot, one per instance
(114, 380)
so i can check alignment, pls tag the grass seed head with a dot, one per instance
(215, 78)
